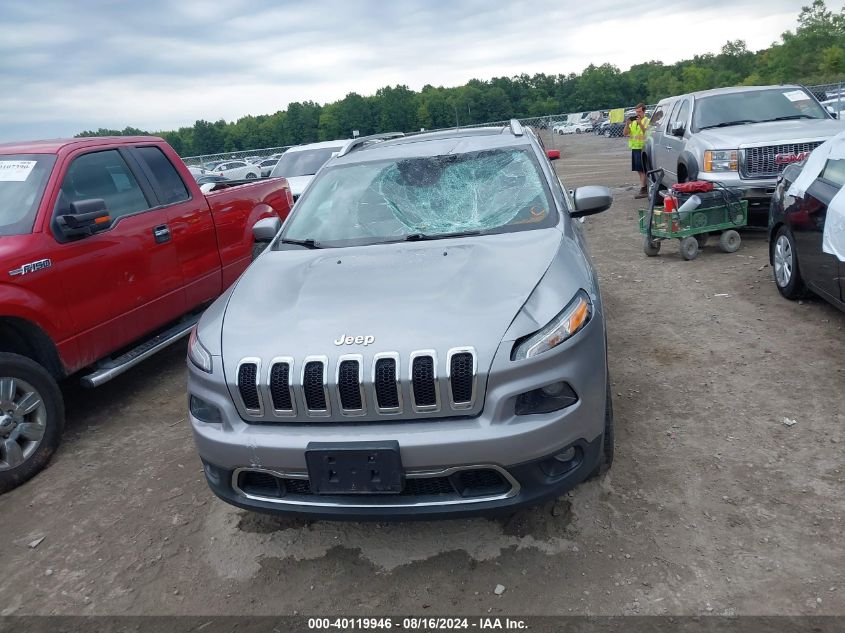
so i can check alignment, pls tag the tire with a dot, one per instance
(23, 379)
(701, 238)
(577, 131)
(785, 266)
(608, 440)
(729, 241)
(250, 176)
(607, 133)
(689, 248)
(651, 247)
(258, 248)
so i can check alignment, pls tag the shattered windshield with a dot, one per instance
(491, 191)
(22, 181)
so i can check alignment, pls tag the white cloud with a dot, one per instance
(162, 65)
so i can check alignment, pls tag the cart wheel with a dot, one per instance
(651, 247)
(729, 241)
(701, 238)
(689, 248)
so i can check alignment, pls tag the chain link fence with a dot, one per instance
(552, 129)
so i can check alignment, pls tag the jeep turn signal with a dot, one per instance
(573, 317)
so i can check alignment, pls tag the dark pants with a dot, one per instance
(637, 160)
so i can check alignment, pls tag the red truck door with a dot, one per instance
(124, 281)
(191, 225)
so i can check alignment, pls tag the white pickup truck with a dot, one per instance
(742, 137)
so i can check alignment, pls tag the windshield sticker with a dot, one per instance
(796, 95)
(15, 170)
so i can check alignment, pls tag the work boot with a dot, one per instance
(642, 194)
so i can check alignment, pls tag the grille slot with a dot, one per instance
(462, 377)
(248, 386)
(280, 387)
(384, 378)
(313, 386)
(760, 161)
(349, 385)
(423, 382)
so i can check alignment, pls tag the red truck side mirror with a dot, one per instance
(86, 217)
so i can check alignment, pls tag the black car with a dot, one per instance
(796, 226)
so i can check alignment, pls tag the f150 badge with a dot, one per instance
(31, 267)
(355, 340)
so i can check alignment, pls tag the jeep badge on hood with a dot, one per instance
(355, 340)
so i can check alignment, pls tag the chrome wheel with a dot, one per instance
(23, 421)
(784, 262)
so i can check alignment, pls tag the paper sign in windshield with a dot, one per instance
(796, 95)
(15, 170)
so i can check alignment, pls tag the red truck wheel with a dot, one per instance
(32, 418)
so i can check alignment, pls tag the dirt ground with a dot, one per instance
(713, 505)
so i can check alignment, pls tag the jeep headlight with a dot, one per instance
(720, 160)
(198, 355)
(569, 321)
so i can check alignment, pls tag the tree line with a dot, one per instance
(814, 53)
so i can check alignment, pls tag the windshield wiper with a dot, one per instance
(790, 117)
(421, 237)
(727, 123)
(306, 243)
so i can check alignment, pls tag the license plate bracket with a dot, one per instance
(355, 468)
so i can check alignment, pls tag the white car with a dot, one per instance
(300, 163)
(574, 128)
(236, 170)
(197, 171)
(266, 165)
(835, 106)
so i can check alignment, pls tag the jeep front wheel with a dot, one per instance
(31, 419)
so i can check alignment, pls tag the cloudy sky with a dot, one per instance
(66, 66)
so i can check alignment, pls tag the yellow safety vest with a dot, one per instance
(636, 140)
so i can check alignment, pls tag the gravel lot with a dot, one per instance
(712, 506)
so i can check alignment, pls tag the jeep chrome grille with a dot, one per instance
(760, 162)
(312, 387)
(248, 385)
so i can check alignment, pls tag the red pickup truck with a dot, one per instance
(108, 253)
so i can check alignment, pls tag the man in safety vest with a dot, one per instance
(635, 129)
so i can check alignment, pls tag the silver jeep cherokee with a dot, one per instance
(423, 338)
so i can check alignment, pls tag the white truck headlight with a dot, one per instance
(569, 321)
(198, 355)
(720, 160)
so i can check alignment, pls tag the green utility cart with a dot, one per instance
(722, 211)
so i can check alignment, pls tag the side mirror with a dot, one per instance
(590, 200)
(553, 154)
(86, 217)
(677, 129)
(266, 229)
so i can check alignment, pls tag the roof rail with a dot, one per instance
(355, 143)
(516, 127)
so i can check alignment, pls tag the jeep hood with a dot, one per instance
(406, 296)
(770, 133)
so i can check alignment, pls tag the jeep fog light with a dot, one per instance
(562, 463)
(205, 411)
(553, 397)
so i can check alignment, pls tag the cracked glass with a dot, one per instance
(498, 190)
